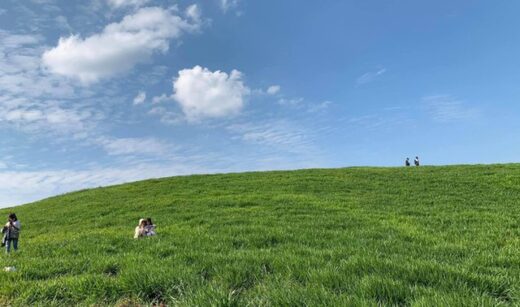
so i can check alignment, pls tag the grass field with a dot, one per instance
(429, 236)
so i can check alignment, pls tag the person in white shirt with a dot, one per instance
(140, 230)
(12, 232)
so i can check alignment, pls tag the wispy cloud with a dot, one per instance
(46, 116)
(377, 122)
(446, 108)
(319, 107)
(290, 101)
(140, 98)
(167, 115)
(123, 3)
(48, 106)
(135, 146)
(32, 100)
(273, 89)
(21, 186)
(370, 76)
(226, 5)
(281, 134)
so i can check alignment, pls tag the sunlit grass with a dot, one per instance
(429, 236)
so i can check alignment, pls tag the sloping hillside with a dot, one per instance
(426, 236)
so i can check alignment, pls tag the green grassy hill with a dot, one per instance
(429, 236)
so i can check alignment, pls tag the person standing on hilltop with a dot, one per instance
(407, 162)
(416, 161)
(12, 232)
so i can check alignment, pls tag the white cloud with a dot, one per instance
(324, 105)
(370, 76)
(225, 5)
(281, 134)
(446, 108)
(123, 3)
(119, 47)
(202, 93)
(18, 40)
(166, 116)
(290, 101)
(193, 13)
(46, 116)
(140, 98)
(34, 102)
(20, 66)
(273, 90)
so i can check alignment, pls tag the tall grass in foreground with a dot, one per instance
(429, 236)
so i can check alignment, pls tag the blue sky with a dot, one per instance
(100, 92)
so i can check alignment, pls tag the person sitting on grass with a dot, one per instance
(11, 232)
(140, 230)
(150, 227)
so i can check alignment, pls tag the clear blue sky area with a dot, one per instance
(101, 92)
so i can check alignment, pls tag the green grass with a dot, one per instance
(429, 236)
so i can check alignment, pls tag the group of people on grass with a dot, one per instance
(145, 228)
(415, 161)
(11, 231)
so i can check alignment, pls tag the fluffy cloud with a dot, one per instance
(202, 93)
(120, 46)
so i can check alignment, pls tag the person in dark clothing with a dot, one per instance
(407, 162)
(416, 161)
(11, 232)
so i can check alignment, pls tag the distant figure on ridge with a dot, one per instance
(150, 228)
(140, 230)
(407, 162)
(416, 161)
(11, 233)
